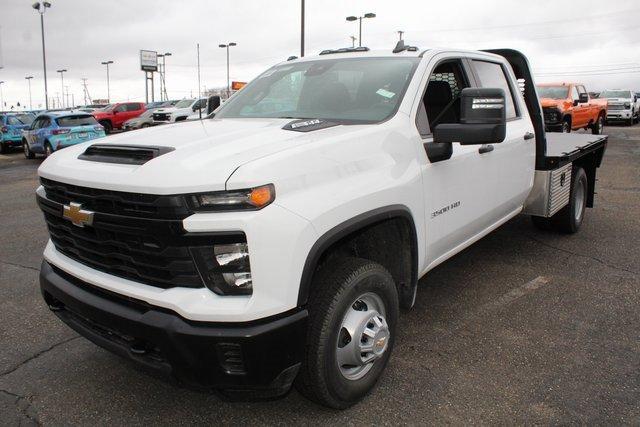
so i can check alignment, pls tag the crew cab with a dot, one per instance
(179, 112)
(275, 242)
(623, 105)
(113, 116)
(568, 106)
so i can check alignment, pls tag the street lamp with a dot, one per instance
(1, 97)
(28, 78)
(227, 46)
(163, 74)
(359, 18)
(41, 8)
(108, 90)
(62, 84)
(353, 41)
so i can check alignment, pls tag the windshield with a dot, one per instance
(146, 114)
(357, 90)
(185, 103)
(78, 120)
(616, 94)
(553, 92)
(107, 108)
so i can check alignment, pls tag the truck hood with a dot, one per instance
(553, 103)
(619, 100)
(205, 154)
(169, 110)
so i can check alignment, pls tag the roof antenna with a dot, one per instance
(399, 46)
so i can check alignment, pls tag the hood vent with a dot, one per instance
(123, 154)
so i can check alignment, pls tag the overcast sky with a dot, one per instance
(592, 41)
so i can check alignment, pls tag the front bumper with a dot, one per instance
(259, 358)
(619, 114)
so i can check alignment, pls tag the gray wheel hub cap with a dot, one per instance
(363, 338)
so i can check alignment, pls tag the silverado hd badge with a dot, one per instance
(78, 217)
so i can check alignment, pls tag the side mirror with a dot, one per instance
(482, 119)
(212, 104)
(584, 98)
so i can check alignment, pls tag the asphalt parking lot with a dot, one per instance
(523, 327)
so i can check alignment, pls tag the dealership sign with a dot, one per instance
(238, 85)
(148, 60)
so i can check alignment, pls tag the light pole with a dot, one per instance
(353, 41)
(400, 33)
(227, 46)
(302, 29)
(62, 83)
(28, 78)
(108, 90)
(359, 18)
(163, 75)
(1, 97)
(41, 8)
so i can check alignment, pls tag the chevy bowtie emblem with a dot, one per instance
(79, 217)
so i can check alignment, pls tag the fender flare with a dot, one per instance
(352, 225)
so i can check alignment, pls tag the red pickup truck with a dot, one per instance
(114, 115)
(568, 106)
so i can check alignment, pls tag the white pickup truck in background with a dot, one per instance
(623, 105)
(274, 242)
(179, 112)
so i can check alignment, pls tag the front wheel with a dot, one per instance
(107, 126)
(353, 312)
(566, 127)
(597, 127)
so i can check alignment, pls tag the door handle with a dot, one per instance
(529, 135)
(485, 148)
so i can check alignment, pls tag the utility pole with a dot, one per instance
(41, 8)
(198, 52)
(302, 29)
(28, 78)
(62, 83)
(86, 92)
(1, 97)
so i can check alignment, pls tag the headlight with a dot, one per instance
(225, 268)
(627, 105)
(247, 199)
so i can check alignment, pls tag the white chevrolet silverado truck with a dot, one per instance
(623, 105)
(274, 242)
(179, 112)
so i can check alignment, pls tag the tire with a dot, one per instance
(569, 219)
(48, 150)
(27, 151)
(349, 293)
(597, 127)
(107, 126)
(629, 122)
(3, 148)
(144, 125)
(566, 126)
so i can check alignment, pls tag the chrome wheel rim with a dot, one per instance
(580, 192)
(25, 148)
(565, 127)
(363, 337)
(47, 151)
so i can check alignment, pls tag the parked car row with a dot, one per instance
(568, 107)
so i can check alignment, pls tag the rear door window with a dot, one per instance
(79, 120)
(492, 75)
(133, 106)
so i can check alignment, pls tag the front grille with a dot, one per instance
(118, 202)
(161, 117)
(616, 107)
(151, 250)
(550, 114)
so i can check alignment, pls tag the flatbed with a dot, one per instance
(563, 148)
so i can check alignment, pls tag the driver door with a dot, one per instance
(457, 190)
